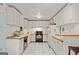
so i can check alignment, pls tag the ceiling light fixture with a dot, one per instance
(39, 15)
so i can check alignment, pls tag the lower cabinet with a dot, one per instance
(56, 45)
(15, 46)
(61, 48)
(45, 37)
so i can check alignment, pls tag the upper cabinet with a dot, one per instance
(68, 15)
(14, 17)
(26, 24)
(64, 16)
(75, 12)
(2, 15)
(9, 15)
(2, 27)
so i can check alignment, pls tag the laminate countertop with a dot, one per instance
(60, 37)
(69, 34)
(57, 37)
(22, 35)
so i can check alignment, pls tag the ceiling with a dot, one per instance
(38, 11)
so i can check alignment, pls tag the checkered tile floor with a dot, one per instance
(38, 49)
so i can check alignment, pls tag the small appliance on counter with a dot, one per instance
(18, 31)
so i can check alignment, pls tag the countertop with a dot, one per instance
(22, 35)
(69, 34)
(60, 38)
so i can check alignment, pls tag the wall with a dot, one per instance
(34, 24)
(38, 24)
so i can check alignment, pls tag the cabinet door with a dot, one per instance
(26, 24)
(16, 18)
(2, 27)
(65, 16)
(9, 15)
(12, 16)
(21, 46)
(59, 48)
(45, 37)
(75, 11)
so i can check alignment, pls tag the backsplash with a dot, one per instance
(64, 29)
(71, 29)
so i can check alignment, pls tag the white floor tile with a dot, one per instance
(38, 49)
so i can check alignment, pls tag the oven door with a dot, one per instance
(39, 38)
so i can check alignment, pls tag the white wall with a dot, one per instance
(34, 24)
(38, 24)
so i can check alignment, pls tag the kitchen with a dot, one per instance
(50, 26)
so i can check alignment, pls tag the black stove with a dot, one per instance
(39, 36)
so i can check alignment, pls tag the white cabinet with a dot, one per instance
(75, 11)
(2, 15)
(13, 19)
(14, 46)
(9, 15)
(68, 18)
(56, 45)
(68, 15)
(45, 37)
(61, 48)
(26, 24)
(2, 27)
(16, 18)
(32, 37)
(70, 41)
(64, 16)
